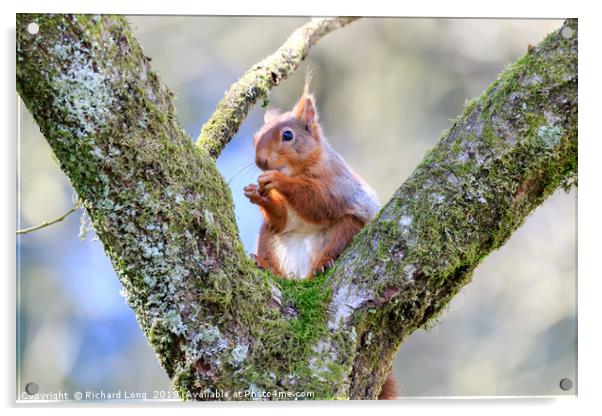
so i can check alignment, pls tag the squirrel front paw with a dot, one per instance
(259, 261)
(254, 194)
(269, 179)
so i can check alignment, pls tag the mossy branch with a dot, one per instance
(165, 215)
(509, 150)
(256, 83)
(157, 202)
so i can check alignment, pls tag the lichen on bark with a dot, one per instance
(165, 215)
(166, 221)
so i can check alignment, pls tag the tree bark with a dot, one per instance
(165, 215)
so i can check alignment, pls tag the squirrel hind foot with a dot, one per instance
(260, 261)
(324, 264)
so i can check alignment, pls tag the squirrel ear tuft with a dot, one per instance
(271, 114)
(305, 109)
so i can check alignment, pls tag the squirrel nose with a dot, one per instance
(261, 162)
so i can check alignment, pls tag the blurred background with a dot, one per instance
(386, 88)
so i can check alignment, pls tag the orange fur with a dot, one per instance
(309, 197)
(389, 389)
(271, 204)
(339, 235)
(265, 251)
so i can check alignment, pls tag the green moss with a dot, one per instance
(309, 298)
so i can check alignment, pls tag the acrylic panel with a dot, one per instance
(386, 91)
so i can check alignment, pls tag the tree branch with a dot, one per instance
(48, 222)
(157, 202)
(256, 83)
(508, 151)
(165, 215)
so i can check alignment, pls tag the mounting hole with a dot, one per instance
(566, 384)
(567, 32)
(31, 388)
(33, 28)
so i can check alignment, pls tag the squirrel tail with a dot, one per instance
(389, 389)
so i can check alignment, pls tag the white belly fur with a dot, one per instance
(298, 246)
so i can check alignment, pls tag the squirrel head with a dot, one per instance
(290, 141)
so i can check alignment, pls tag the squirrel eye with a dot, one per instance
(287, 135)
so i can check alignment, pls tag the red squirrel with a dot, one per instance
(312, 202)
